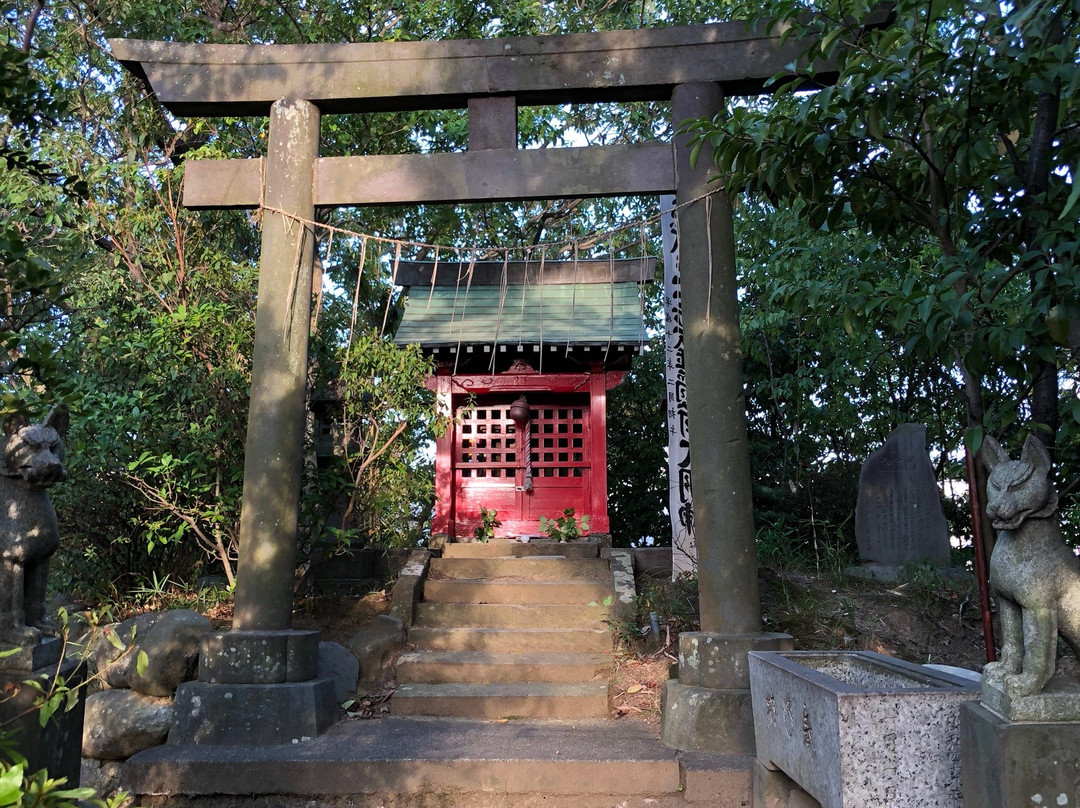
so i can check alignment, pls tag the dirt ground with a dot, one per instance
(928, 619)
(338, 618)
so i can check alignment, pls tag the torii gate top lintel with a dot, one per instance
(490, 77)
(630, 65)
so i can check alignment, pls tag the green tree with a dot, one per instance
(823, 391)
(637, 452)
(953, 126)
(35, 216)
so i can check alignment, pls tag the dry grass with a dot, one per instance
(637, 683)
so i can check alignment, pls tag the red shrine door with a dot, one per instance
(489, 462)
(481, 461)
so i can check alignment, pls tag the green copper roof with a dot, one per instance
(578, 314)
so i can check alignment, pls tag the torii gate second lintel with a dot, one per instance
(490, 77)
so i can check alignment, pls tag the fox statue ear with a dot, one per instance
(59, 419)
(15, 423)
(1035, 454)
(992, 453)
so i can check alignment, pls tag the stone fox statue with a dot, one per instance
(1034, 576)
(30, 462)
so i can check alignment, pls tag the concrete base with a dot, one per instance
(774, 789)
(259, 657)
(58, 745)
(708, 708)
(253, 715)
(1009, 765)
(1058, 701)
(704, 719)
(719, 780)
(31, 655)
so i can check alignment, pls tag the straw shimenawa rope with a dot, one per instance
(571, 245)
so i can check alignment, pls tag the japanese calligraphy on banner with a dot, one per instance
(680, 499)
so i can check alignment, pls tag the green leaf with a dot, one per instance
(11, 785)
(695, 152)
(142, 662)
(973, 439)
(608, 600)
(114, 640)
(75, 794)
(1074, 197)
(830, 38)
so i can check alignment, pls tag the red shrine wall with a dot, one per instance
(481, 461)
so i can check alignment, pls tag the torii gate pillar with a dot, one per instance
(257, 683)
(707, 709)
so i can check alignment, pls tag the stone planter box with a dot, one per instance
(858, 729)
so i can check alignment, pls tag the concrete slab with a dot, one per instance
(717, 779)
(405, 756)
(1058, 701)
(520, 549)
(242, 714)
(503, 700)
(483, 667)
(511, 640)
(514, 615)
(465, 591)
(533, 568)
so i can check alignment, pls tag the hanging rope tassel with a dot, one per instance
(521, 414)
(527, 485)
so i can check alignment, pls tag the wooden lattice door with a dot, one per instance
(561, 464)
(489, 466)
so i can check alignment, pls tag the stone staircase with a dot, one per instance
(508, 629)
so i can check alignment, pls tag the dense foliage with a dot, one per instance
(907, 247)
(948, 147)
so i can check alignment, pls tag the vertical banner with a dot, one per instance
(680, 498)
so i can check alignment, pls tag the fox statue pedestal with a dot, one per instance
(57, 746)
(31, 461)
(1008, 762)
(1020, 745)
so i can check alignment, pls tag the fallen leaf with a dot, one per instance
(634, 689)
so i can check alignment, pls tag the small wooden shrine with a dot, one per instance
(526, 353)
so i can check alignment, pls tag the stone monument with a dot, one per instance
(1021, 743)
(898, 517)
(31, 461)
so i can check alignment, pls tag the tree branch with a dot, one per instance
(31, 24)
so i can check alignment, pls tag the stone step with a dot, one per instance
(512, 615)
(511, 640)
(466, 591)
(503, 700)
(542, 568)
(482, 667)
(508, 547)
(418, 762)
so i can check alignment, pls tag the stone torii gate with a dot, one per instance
(257, 682)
